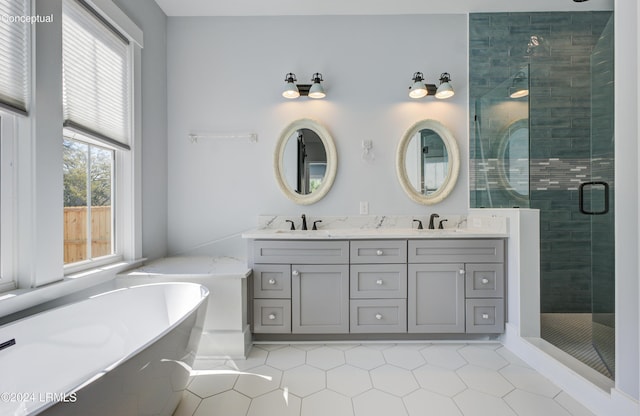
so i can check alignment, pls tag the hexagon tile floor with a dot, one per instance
(374, 380)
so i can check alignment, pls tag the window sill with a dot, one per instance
(20, 299)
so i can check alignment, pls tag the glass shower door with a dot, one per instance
(599, 198)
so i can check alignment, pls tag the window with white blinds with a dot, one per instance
(14, 55)
(96, 79)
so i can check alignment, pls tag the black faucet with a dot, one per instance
(419, 224)
(315, 227)
(293, 227)
(304, 222)
(440, 227)
(431, 218)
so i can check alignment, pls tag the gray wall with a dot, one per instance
(227, 74)
(153, 22)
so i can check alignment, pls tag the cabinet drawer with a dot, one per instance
(485, 316)
(456, 251)
(301, 252)
(272, 281)
(272, 316)
(379, 251)
(379, 281)
(484, 280)
(378, 315)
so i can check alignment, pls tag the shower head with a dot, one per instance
(537, 46)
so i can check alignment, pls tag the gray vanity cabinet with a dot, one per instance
(300, 287)
(456, 286)
(378, 286)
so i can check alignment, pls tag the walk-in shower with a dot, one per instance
(552, 149)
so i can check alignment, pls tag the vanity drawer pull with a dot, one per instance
(485, 316)
(379, 282)
(462, 271)
(272, 316)
(379, 252)
(378, 316)
(295, 273)
(272, 281)
(484, 281)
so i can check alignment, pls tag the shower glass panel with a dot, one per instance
(602, 225)
(500, 174)
(560, 138)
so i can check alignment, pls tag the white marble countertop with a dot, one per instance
(193, 266)
(356, 234)
(380, 227)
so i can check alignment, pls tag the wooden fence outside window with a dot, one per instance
(75, 233)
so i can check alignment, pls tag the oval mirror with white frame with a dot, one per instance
(428, 162)
(305, 161)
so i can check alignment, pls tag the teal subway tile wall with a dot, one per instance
(544, 168)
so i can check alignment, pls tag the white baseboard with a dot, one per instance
(233, 345)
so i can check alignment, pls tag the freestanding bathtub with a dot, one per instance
(124, 352)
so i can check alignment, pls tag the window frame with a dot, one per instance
(116, 255)
(8, 227)
(127, 170)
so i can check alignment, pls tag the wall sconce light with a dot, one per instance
(520, 86)
(293, 90)
(419, 89)
(290, 89)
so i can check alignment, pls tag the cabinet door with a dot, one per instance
(320, 299)
(436, 298)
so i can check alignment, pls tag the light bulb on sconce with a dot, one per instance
(445, 90)
(419, 89)
(290, 89)
(314, 90)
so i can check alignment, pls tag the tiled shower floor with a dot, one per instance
(572, 333)
(374, 380)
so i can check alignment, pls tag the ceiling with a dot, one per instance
(367, 7)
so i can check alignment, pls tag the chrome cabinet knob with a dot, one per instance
(485, 281)
(272, 316)
(295, 273)
(379, 253)
(379, 282)
(461, 271)
(378, 316)
(272, 281)
(485, 316)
